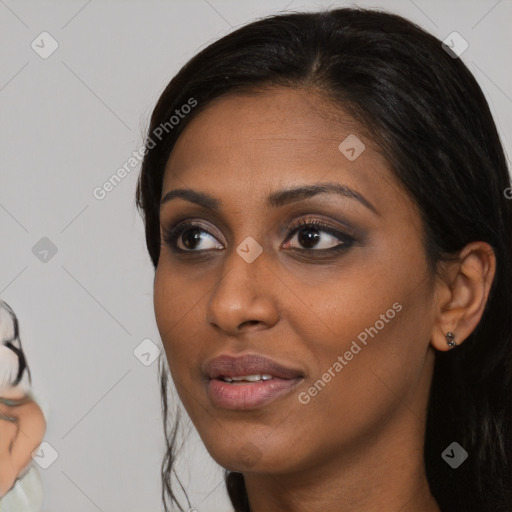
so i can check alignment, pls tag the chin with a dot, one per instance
(250, 455)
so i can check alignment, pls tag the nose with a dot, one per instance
(244, 297)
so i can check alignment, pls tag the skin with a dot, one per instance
(358, 444)
(17, 442)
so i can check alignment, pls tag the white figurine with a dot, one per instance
(22, 423)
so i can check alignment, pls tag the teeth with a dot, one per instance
(250, 378)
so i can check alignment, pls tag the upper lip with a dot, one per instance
(249, 364)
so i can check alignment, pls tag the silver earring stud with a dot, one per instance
(450, 339)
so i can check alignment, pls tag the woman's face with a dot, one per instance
(347, 306)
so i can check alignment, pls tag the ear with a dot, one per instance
(462, 292)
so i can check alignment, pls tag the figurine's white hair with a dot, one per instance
(14, 370)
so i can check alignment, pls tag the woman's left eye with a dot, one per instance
(309, 234)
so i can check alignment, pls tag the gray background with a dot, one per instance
(68, 122)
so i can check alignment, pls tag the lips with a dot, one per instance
(248, 364)
(264, 380)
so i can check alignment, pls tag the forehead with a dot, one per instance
(270, 139)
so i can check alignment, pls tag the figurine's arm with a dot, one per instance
(18, 441)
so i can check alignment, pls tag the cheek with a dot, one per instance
(175, 306)
(179, 312)
(370, 345)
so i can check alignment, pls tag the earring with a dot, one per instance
(450, 339)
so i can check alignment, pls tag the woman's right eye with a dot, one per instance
(190, 235)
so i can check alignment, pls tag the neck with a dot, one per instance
(331, 494)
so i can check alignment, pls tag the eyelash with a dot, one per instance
(171, 235)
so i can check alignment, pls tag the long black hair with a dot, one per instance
(426, 112)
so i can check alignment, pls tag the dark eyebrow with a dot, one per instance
(274, 200)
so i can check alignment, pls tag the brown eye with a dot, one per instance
(315, 236)
(189, 237)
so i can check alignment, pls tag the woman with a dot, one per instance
(325, 205)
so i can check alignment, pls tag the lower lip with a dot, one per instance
(248, 395)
